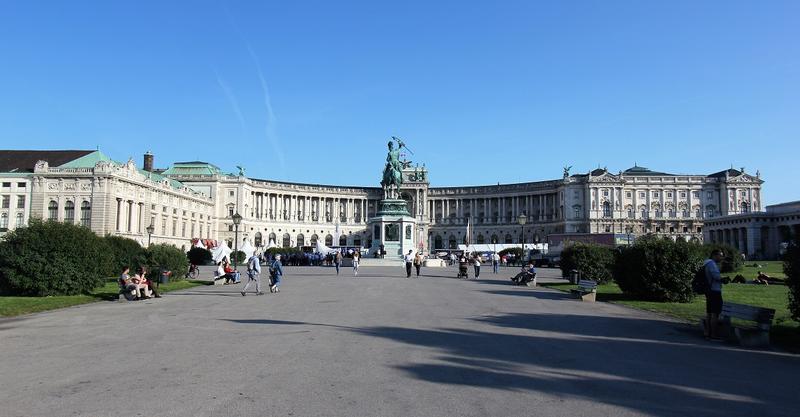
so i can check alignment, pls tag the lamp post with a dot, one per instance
(522, 219)
(237, 218)
(628, 231)
(150, 229)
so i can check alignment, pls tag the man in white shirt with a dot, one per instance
(409, 258)
(496, 262)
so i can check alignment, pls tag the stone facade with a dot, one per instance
(759, 235)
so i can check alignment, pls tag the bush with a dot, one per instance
(238, 257)
(517, 252)
(791, 267)
(165, 257)
(124, 253)
(732, 262)
(658, 270)
(52, 258)
(199, 256)
(594, 261)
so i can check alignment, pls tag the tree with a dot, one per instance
(51, 258)
(791, 267)
(594, 261)
(658, 269)
(199, 256)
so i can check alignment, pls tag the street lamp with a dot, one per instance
(150, 229)
(522, 219)
(237, 218)
(628, 231)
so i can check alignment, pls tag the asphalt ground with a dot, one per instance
(380, 345)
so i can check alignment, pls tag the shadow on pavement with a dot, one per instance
(532, 292)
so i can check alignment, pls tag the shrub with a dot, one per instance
(791, 267)
(658, 269)
(594, 261)
(199, 256)
(732, 262)
(238, 257)
(52, 258)
(124, 253)
(165, 257)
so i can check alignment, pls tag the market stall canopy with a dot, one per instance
(220, 252)
(247, 248)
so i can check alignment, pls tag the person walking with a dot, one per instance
(337, 261)
(253, 275)
(476, 262)
(714, 294)
(276, 273)
(418, 262)
(409, 258)
(356, 259)
(496, 263)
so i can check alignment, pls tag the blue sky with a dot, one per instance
(483, 92)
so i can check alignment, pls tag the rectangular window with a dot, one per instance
(683, 195)
(20, 220)
(6, 185)
(230, 193)
(4, 222)
(6, 201)
(21, 202)
(22, 185)
(642, 195)
(709, 195)
(655, 194)
(174, 227)
(183, 229)
(163, 226)
(86, 214)
(669, 195)
(696, 194)
(628, 194)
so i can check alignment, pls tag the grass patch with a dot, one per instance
(16, 306)
(785, 331)
(771, 268)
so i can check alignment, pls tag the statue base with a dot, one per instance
(393, 207)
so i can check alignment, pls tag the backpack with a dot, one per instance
(272, 269)
(700, 283)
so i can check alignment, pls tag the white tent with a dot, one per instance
(324, 249)
(489, 247)
(247, 248)
(221, 251)
(200, 244)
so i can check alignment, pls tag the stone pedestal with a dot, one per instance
(394, 229)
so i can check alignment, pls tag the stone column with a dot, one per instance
(119, 215)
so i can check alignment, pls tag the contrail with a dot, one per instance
(233, 102)
(270, 127)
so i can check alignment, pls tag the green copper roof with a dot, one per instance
(192, 168)
(87, 161)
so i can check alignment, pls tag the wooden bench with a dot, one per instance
(757, 335)
(586, 291)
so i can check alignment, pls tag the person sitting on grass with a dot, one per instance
(762, 279)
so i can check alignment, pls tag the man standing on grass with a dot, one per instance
(714, 293)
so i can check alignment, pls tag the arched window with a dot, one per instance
(256, 239)
(437, 242)
(480, 239)
(328, 240)
(710, 210)
(20, 220)
(314, 239)
(52, 210)
(745, 207)
(301, 240)
(86, 214)
(4, 222)
(495, 239)
(273, 239)
(287, 240)
(69, 212)
(451, 242)
(508, 239)
(357, 240)
(342, 240)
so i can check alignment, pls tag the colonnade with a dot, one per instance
(537, 207)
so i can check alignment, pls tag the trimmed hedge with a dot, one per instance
(594, 261)
(791, 267)
(52, 258)
(658, 269)
(165, 257)
(199, 256)
(124, 253)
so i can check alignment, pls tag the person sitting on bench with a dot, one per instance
(141, 283)
(525, 276)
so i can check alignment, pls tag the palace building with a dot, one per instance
(198, 200)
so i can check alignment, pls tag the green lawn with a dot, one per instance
(15, 306)
(771, 268)
(785, 331)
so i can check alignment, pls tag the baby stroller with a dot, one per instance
(462, 269)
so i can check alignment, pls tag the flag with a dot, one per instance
(468, 235)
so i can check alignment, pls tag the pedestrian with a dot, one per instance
(253, 275)
(476, 262)
(276, 273)
(337, 261)
(418, 262)
(714, 294)
(356, 259)
(409, 262)
(496, 263)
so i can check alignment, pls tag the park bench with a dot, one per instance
(757, 335)
(586, 291)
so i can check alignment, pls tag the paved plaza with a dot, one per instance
(379, 345)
